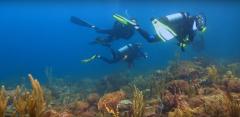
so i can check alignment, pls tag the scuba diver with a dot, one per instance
(180, 25)
(128, 53)
(118, 31)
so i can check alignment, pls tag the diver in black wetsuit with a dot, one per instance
(118, 31)
(181, 26)
(128, 53)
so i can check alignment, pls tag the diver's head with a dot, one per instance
(201, 22)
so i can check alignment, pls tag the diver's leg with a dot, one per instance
(147, 36)
(130, 64)
(109, 39)
(115, 57)
(109, 61)
(114, 53)
(183, 49)
(81, 22)
(102, 41)
(104, 31)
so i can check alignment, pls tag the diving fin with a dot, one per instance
(80, 22)
(89, 59)
(163, 31)
(123, 20)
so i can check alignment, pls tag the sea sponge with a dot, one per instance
(109, 103)
(81, 106)
(111, 99)
(93, 98)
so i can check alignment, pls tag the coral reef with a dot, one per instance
(185, 70)
(193, 88)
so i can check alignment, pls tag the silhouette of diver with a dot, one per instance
(128, 53)
(118, 31)
(180, 25)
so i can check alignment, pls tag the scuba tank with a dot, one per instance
(176, 17)
(125, 48)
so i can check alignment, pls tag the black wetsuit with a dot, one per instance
(183, 27)
(118, 31)
(127, 53)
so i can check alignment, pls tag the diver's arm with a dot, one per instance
(147, 36)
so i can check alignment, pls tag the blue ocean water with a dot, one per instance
(37, 35)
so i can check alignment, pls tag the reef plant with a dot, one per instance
(212, 72)
(37, 102)
(20, 102)
(3, 101)
(31, 103)
(138, 103)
